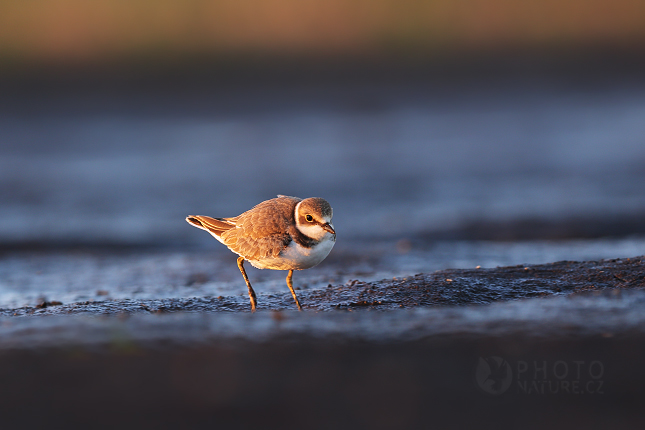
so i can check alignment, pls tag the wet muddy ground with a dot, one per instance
(558, 343)
(446, 287)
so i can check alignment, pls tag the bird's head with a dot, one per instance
(313, 218)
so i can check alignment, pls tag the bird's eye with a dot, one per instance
(309, 218)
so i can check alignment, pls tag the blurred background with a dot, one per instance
(417, 120)
(444, 133)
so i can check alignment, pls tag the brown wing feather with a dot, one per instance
(262, 231)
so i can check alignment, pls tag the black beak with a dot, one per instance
(329, 228)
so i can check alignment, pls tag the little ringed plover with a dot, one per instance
(285, 233)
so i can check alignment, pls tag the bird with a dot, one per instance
(283, 233)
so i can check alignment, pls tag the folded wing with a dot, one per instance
(259, 233)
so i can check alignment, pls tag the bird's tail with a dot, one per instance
(215, 226)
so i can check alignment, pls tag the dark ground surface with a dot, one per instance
(573, 345)
(313, 383)
(446, 287)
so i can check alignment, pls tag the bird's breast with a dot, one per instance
(297, 257)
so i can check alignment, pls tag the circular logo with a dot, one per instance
(493, 375)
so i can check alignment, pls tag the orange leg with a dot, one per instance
(293, 293)
(254, 301)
